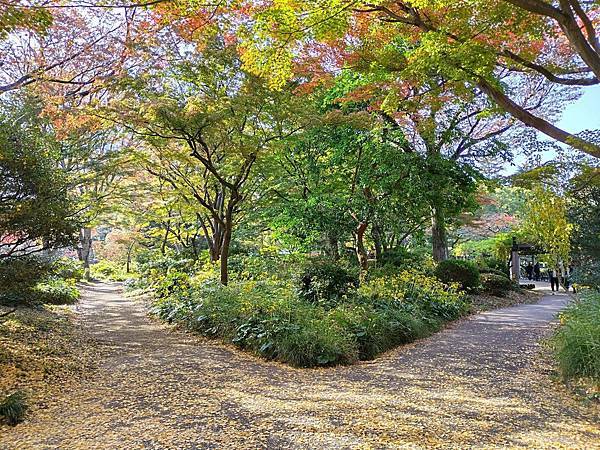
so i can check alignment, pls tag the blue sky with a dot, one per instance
(584, 114)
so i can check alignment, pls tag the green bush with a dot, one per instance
(67, 269)
(20, 274)
(431, 296)
(108, 270)
(173, 282)
(494, 284)
(38, 280)
(494, 272)
(269, 318)
(401, 258)
(576, 343)
(56, 292)
(14, 407)
(326, 283)
(459, 271)
(493, 265)
(376, 328)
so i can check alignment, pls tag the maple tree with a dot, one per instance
(206, 133)
(467, 44)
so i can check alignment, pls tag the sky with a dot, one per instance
(584, 114)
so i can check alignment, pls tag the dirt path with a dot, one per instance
(475, 385)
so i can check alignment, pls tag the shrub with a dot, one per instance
(22, 273)
(14, 407)
(56, 292)
(67, 268)
(174, 282)
(494, 284)
(494, 272)
(108, 270)
(37, 280)
(428, 294)
(376, 328)
(494, 265)
(459, 271)
(576, 343)
(326, 283)
(269, 318)
(401, 258)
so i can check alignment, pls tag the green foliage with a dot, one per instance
(34, 280)
(268, 317)
(584, 213)
(326, 282)
(545, 222)
(35, 209)
(459, 271)
(21, 274)
(494, 284)
(264, 317)
(56, 292)
(487, 270)
(431, 296)
(108, 270)
(576, 343)
(376, 329)
(14, 407)
(67, 269)
(493, 265)
(403, 259)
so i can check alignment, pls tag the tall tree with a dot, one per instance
(467, 44)
(219, 121)
(36, 211)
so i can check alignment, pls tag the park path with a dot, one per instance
(477, 384)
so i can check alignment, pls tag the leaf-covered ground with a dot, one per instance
(477, 384)
(486, 302)
(43, 350)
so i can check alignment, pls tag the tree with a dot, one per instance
(469, 45)
(95, 160)
(545, 222)
(36, 211)
(207, 123)
(68, 51)
(584, 214)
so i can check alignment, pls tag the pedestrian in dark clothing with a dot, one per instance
(536, 271)
(529, 271)
(553, 280)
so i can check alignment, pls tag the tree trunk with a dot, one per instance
(225, 246)
(377, 235)
(129, 250)
(333, 247)
(163, 246)
(439, 238)
(361, 252)
(85, 240)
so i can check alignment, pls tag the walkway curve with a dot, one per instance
(476, 384)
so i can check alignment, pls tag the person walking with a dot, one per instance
(536, 271)
(553, 279)
(529, 271)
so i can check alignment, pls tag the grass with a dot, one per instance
(576, 343)
(14, 407)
